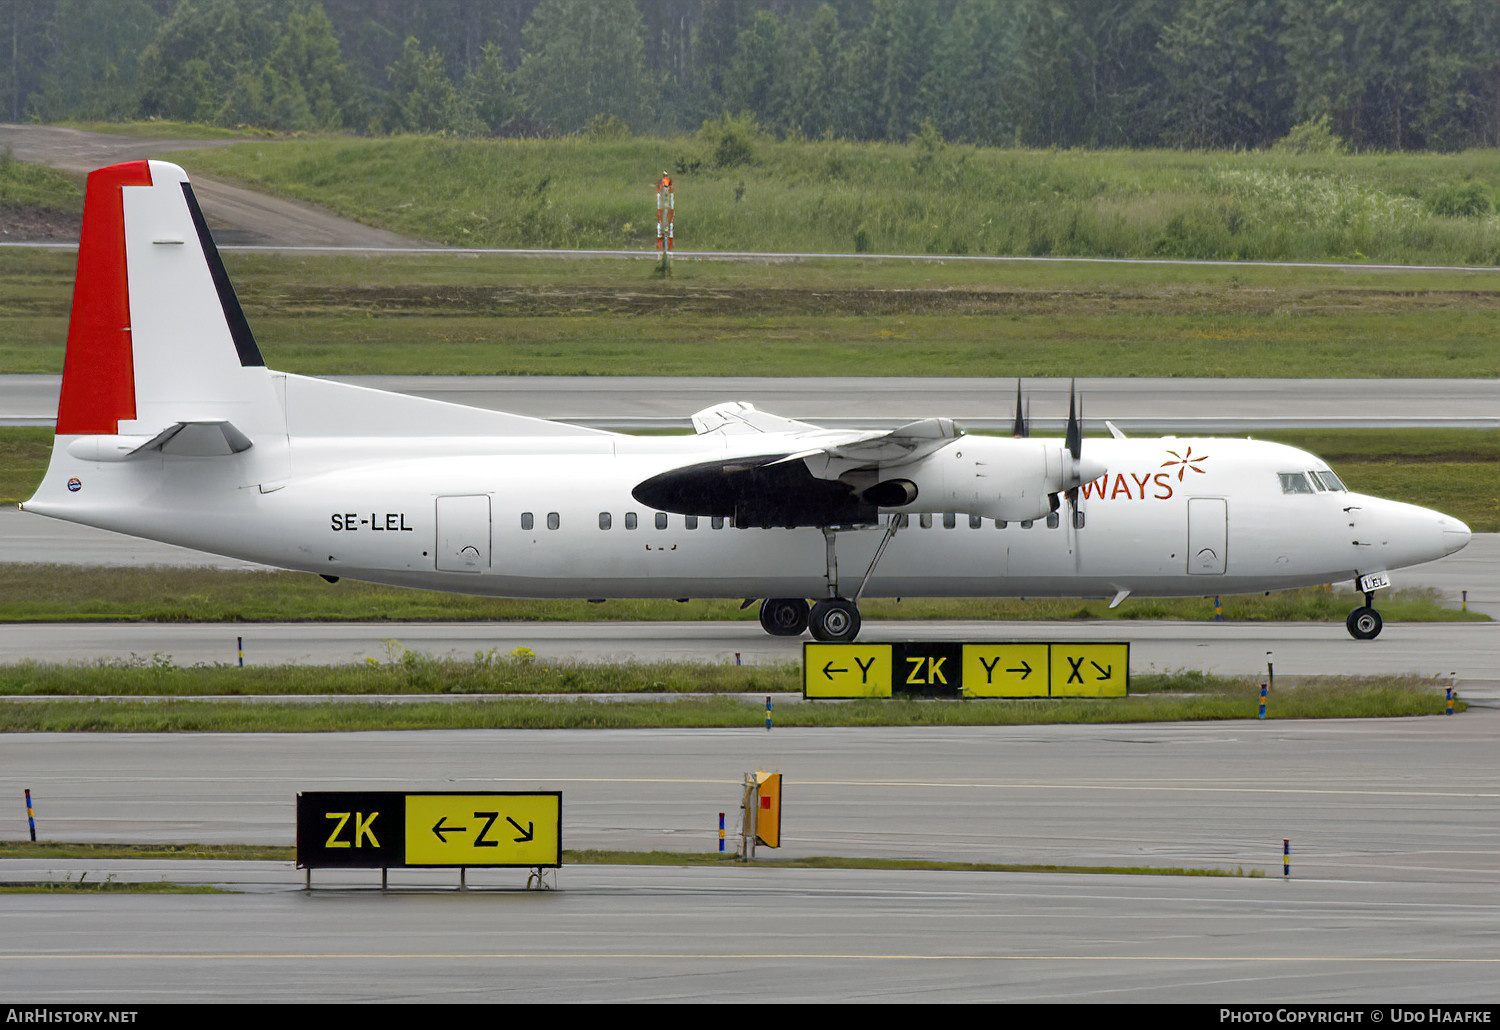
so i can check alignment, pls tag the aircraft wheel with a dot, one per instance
(834, 620)
(783, 616)
(1364, 623)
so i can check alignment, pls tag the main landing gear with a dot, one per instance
(1364, 622)
(834, 619)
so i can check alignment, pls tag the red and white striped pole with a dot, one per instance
(665, 204)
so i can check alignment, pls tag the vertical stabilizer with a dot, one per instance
(160, 358)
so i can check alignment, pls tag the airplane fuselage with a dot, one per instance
(522, 517)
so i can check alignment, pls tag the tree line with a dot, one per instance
(1194, 74)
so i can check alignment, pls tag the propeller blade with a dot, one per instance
(1021, 429)
(1075, 432)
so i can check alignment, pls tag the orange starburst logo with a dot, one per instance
(1184, 462)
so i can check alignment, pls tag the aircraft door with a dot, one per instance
(463, 533)
(1208, 536)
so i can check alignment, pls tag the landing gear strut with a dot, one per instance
(833, 619)
(1364, 622)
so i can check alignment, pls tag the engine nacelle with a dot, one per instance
(994, 477)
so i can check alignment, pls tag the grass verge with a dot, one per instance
(919, 197)
(1155, 698)
(283, 853)
(108, 886)
(503, 315)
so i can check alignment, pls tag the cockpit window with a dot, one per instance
(1294, 483)
(1331, 481)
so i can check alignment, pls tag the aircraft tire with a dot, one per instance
(834, 620)
(1364, 623)
(783, 616)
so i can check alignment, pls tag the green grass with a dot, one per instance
(1160, 698)
(586, 856)
(107, 886)
(445, 314)
(153, 851)
(24, 185)
(886, 198)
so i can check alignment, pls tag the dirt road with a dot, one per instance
(236, 215)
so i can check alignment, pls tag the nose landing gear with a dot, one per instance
(1364, 622)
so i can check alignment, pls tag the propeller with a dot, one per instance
(1021, 429)
(1075, 448)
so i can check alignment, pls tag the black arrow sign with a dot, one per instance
(1024, 670)
(828, 670)
(526, 834)
(439, 829)
(1104, 673)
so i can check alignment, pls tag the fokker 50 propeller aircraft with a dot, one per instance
(171, 427)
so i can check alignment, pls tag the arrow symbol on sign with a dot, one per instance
(439, 829)
(1024, 670)
(1104, 673)
(828, 670)
(525, 834)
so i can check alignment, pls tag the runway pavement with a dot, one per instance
(1395, 851)
(1144, 405)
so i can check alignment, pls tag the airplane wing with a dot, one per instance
(888, 446)
(787, 472)
(739, 417)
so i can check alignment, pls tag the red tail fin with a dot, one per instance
(98, 386)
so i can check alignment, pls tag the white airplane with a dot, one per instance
(171, 427)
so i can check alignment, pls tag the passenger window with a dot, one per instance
(526, 520)
(925, 520)
(630, 520)
(552, 520)
(949, 520)
(690, 521)
(975, 521)
(1052, 520)
(604, 520)
(1078, 519)
(717, 522)
(661, 520)
(1001, 523)
(1026, 523)
(1294, 483)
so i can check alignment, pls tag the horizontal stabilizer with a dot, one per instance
(199, 440)
(180, 440)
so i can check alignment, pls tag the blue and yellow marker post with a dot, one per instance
(30, 815)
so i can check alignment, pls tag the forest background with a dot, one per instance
(1367, 75)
